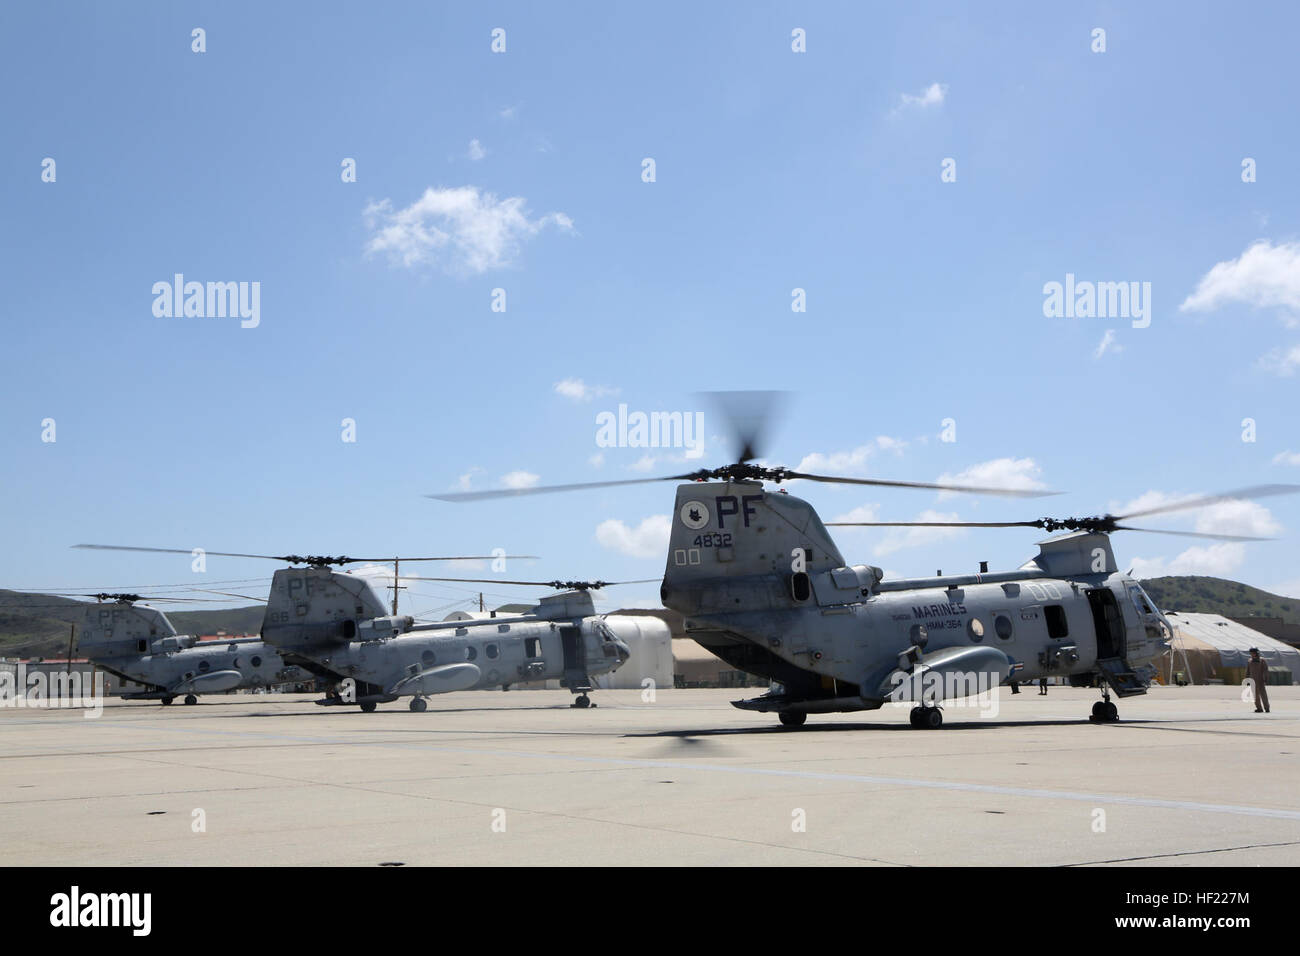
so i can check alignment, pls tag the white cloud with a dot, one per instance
(1016, 474)
(519, 479)
(932, 95)
(1283, 362)
(465, 482)
(508, 112)
(899, 539)
(597, 460)
(1287, 458)
(1107, 344)
(1217, 560)
(1264, 276)
(649, 539)
(1224, 517)
(860, 513)
(462, 229)
(850, 463)
(580, 391)
(642, 464)
(476, 150)
(891, 540)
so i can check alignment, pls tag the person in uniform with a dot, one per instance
(1257, 673)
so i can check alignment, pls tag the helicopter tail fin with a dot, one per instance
(735, 547)
(112, 630)
(312, 606)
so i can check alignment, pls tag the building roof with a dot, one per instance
(1233, 641)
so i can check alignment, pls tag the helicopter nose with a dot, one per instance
(630, 631)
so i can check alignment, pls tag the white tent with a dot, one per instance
(1232, 641)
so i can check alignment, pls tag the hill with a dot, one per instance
(1219, 596)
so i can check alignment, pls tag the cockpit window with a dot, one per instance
(1144, 604)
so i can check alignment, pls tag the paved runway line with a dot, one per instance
(1038, 794)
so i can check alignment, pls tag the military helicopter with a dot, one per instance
(337, 621)
(763, 586)
(136, 642)
(334, 624)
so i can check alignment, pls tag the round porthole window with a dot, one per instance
(203, 666)
(975, 629)
(1002, 624)
(257, 661)
(427, 659)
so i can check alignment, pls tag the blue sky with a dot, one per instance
(523, 171)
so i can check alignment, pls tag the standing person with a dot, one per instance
(1042, 686)
(1257, 672)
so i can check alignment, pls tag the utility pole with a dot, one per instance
(72, 640)
(480, 602)
(396, 585)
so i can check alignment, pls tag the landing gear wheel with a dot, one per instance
(931, 718)
(191, 699)
(582, 701)
(368, 707)
(1112, 712)
(915, 717)
(792, 718)
(1098, 709)
(419, 705)
(167, 700)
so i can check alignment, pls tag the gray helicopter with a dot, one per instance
(334, 625)
(336, 621)
(763, 586)
(136, 642)
(139, 643)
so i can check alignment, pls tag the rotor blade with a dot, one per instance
(966, 489)
(1241, 494)
(1194, 534)
(299, 559)
(932, 524)
(138, 597)
(547, 489)
(749, 416)
(463, 557)
(246, 597)
(190, 551)
(597, 585)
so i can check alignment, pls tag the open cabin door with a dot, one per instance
(1108, 623)
(575, 660)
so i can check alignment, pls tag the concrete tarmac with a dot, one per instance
(1189, 776)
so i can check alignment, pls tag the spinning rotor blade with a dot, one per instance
(1194, 534)
(314, 559)
(557, 585)
(932, 524)
(1241, 494)
(1103, 524)
(749, 416)
(547, 489)
(1030, 524)
(965, 489)
(132, 598)
(246, 597)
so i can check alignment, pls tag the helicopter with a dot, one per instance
(763, 586)
(136, 642)
(333, 624)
